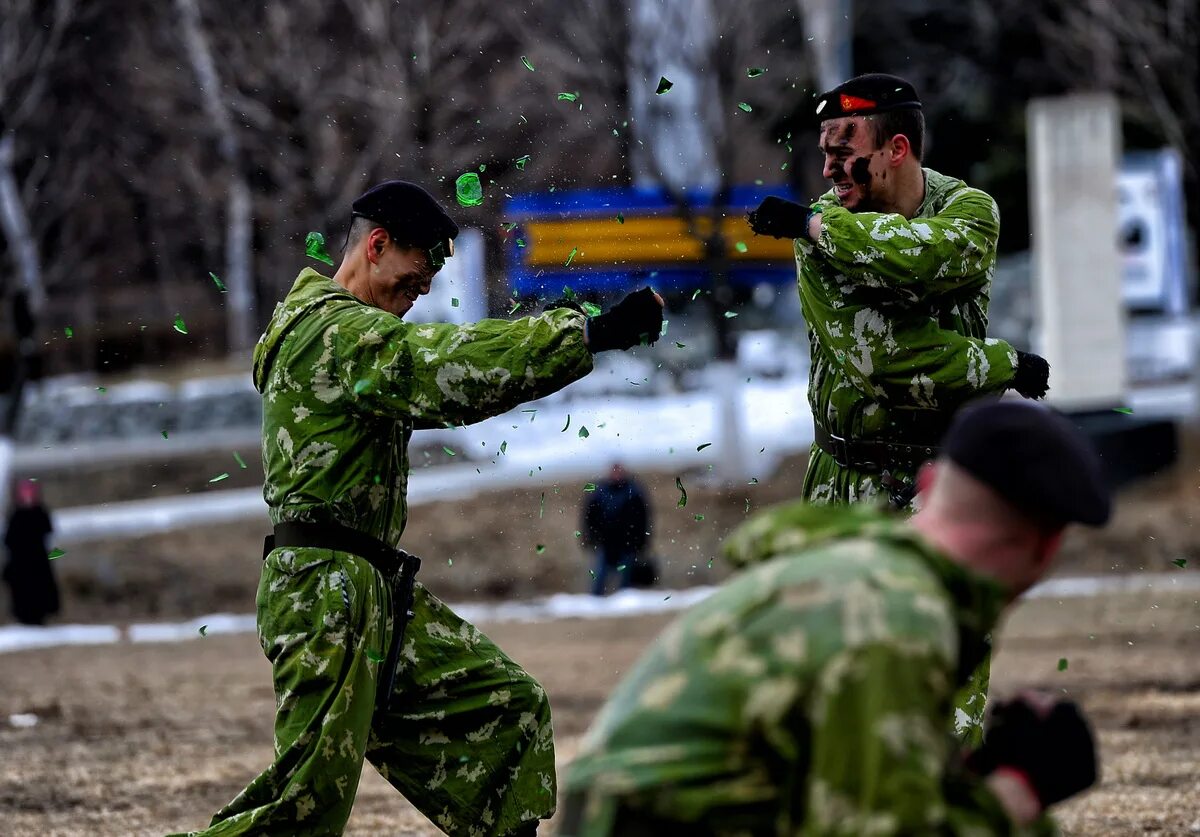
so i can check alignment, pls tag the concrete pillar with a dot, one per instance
(1079, 315)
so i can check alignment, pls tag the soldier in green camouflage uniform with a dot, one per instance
(894, 267)
(466, 734)
(808, 695)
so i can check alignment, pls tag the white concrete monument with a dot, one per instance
(1079, 313)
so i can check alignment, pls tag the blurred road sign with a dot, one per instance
(1151, 216)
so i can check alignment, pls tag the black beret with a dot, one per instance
(1033, 457)
(410, 215)
(871, 93)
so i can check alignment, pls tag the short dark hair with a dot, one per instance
(359, 227)
(907, 121)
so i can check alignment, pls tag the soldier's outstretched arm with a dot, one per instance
(918, 258)
(880, 749)
(907, 362)
(435, 374)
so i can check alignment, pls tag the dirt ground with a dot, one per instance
(145, 739)
(487, 548)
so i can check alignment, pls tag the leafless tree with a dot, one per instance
(1147, 53)
(31, 37)
(239, 221)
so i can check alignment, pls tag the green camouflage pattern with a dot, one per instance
(809, 695)
(896, 311)
(356, 381)
(467, 737)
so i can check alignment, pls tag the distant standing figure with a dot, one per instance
(28, 574)
(616, 523)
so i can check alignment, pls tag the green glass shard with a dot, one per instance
(217, 281)
(164, 434)
(568, 424)
(520, 242)
(740, 247)
(682, 494)
(521, 162)
(448, 451)
(620, 218)
(699, 517)
(568, 97)
(695, 294)
(1125, 410)
(508, 226)
(542, 506)
(745, 107)
(220, 477)
(314, 248)
(571, 257)
(453, 302)
(203, 630)
(102, 389)
(753, 481)
(583, 433)
(468, 190)
(540, 548)
(69, 332)
(56, 553)
(679, 345)
(1062, 664)
(361, 386)
(503, 447)
(703, 446)
(664, 84)
(590, 308)
(729, 315)
(589, 486)
(238, 458)
(513, 310)
(755, 72)
(528, 64)
(1180, 562)
(180, 325)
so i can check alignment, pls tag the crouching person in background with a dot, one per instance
(809, 695)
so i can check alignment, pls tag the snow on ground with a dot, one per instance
(540, 444)
(558, 606)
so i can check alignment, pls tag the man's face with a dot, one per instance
(856, 166)
(398, 275)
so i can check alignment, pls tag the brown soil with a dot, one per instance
(144, 739)
(488, 547)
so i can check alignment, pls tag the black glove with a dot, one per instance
(1055, 752)
(637, 317)
(780, 218)
(563, 302)
(1032, 378)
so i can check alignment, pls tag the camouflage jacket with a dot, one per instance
(896, 311)
(344, 385)
(809, 695)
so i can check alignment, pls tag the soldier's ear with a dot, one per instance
(900, 148)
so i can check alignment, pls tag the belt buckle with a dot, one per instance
(841, 451)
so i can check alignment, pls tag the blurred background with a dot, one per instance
(161, 164)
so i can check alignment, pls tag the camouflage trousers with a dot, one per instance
(466, 738)
(826, 482)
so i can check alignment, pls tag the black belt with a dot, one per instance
(398, 568)
(874, 455)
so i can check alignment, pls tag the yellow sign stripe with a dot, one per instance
(656, 239)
